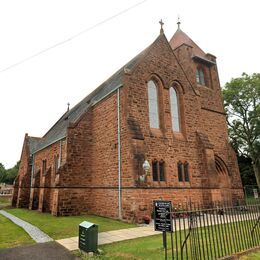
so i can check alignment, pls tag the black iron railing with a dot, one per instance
(213, 232)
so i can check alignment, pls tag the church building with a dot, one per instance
(156, 129)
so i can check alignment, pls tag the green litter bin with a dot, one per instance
(88, 236)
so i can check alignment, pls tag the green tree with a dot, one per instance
(246, 170)
(2, 173)
(242, 104)
(12, 173)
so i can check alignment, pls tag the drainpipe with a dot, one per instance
(119, 156)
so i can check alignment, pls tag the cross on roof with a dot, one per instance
(161, 23)
(179, 22)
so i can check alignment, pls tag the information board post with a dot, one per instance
(165, 243)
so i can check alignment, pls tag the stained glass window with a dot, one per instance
(174, 110)
(186, 172)
(153, 105)
(179, 166)
(200, 77)
(161, 169)
(155, 170)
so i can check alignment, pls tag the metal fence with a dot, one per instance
(252, 193)
(213, 232)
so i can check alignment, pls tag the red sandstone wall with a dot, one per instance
(92, 162)
(214, 125)
(105, 144)
(44, 188)
(163, 143)
(22, 183)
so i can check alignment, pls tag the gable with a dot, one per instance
(160, 56)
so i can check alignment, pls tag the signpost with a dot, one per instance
(162, 219)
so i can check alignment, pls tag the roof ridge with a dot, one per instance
(98, 89)
(54, 124)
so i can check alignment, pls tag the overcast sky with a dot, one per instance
(35, 93)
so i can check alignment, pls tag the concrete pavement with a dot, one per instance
(112, 236)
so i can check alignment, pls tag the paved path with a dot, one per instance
(148, 230)
(112, 236)
(43, 251)
(122, 234)
(36, 234)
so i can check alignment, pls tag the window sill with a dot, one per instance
(179, 136)
(203, 86)
(184, 184)
(158, 184)
(155, 132)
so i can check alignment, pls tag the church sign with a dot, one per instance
(162, 215)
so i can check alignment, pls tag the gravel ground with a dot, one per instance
(36, 234)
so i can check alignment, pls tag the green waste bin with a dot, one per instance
(88, 236)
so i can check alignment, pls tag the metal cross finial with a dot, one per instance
(68, 104)
(161, 23)
(179, 22)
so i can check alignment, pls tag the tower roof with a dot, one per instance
(180, 38)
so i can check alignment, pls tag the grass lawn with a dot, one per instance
(209, 242)
(140, 248)
(12, 235)
(5, 202)
(63, 227)
(253, 256)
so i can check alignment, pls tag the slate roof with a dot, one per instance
(59, 129)
(33, 142)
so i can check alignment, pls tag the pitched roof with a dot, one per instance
(59, 129)
(180, 38)
(33, 142)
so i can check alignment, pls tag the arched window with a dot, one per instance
(153, 105)
(44, 167)
(174, 110)
(161, 170)
(56, 163)
(186, 171)
(183, 171)
(155, 170)
(158, 170)
(200, 78)
(179, 167)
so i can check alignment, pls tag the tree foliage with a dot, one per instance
(2, 173)
(8, 175)
(242, 104)
(246, 170)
